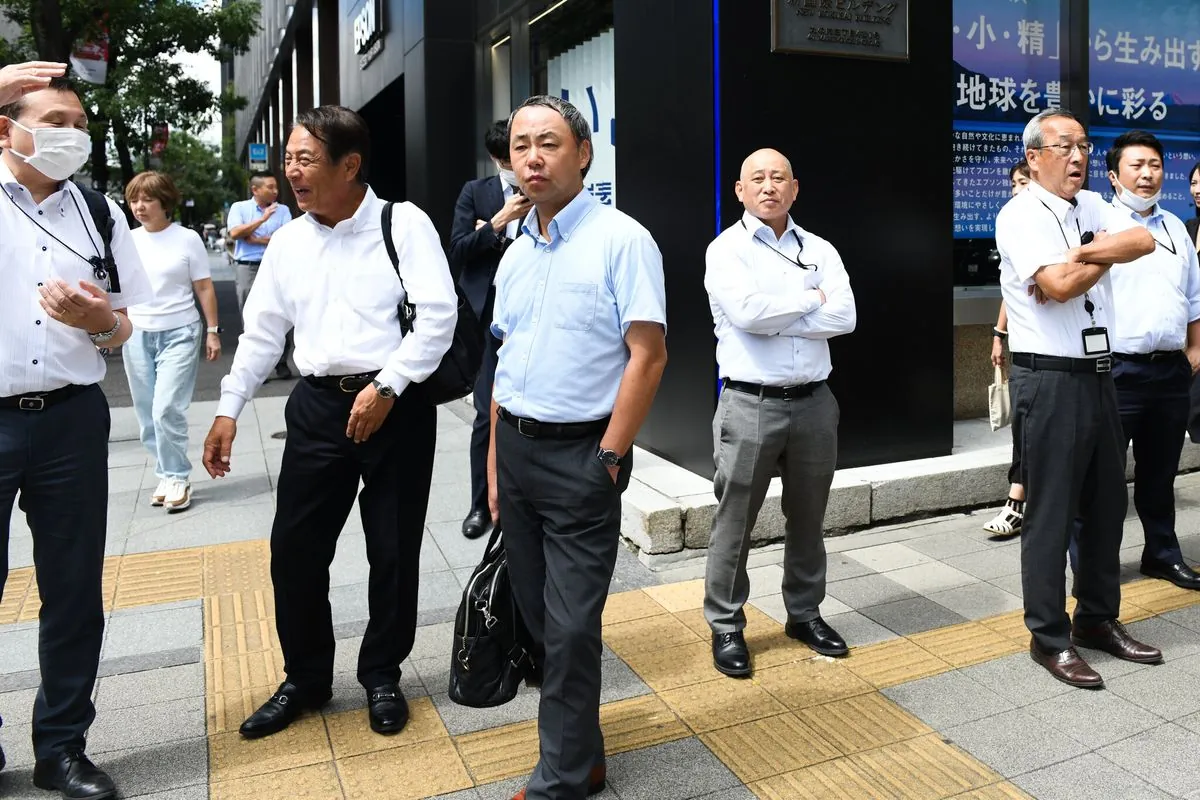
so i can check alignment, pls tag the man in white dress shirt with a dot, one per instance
(1156, 350)
(778, 294)
(329, 275)
(1057, 244)
(55, 311)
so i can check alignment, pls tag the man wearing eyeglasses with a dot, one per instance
(1057, 244)
(778, 294)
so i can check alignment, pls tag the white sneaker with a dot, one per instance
(160, 493)
(179, 496)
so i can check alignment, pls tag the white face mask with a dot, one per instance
(58, 153)
(1135, 202)
(507, 175)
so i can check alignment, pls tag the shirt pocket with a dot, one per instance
(575, 306)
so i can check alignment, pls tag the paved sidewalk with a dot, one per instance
(938, 698)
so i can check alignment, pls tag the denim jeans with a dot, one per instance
(161, 367)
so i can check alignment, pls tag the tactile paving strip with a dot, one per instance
(239, 567)
(894, 662)
(676, 597)
(420, 770)
(639, 722)
(649, 633)
(811, 683)
(301, 744)
(351, 735)
(926, 767)
(316, 782)
(862, 723)
(499, 753)
(16, 587)
(721, 703)
(166, 577)
(966, 644)
(1158, 597)
(628, 606)
(32, 606)
(767, 747)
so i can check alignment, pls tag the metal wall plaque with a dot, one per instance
(854, 28)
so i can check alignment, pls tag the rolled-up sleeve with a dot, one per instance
(430, 289)
(638, 283)
(1030, 244)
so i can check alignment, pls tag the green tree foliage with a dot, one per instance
(143, 85)
(195, 167)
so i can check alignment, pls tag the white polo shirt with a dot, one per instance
(1036, 229)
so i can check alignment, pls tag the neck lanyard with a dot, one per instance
(796, 261)
(1084, 238)
(1169, 248)
(96, 262)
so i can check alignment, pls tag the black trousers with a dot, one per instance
(1153, 402)
(58, 460)
(481, 428)
(1072, 466)
(317, 483)
(561, 514)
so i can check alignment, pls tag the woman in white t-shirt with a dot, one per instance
(162, 356)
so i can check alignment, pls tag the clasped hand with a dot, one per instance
(88, 310)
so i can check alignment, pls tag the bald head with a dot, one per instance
(767, 188)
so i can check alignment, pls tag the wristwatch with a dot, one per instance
(106, 337)
(609, 458)
(385, 391)
(215, 329)
(999, 334)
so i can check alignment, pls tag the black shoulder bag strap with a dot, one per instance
(102, 217)
(406, 310)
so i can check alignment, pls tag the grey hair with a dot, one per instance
(578, 123)
(1033, 138)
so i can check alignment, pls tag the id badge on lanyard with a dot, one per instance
(1095, 339)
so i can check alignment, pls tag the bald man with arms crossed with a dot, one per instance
(778, 294)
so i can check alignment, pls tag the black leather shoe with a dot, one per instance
(1112, 638)
(476, 524)
(288, 702)
(387, 708)
(730, 655)
(75, 776)
(817, 634)
(1179, 574)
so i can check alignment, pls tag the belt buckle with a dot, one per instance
(1104, 364)
(532, 426)
(32, 404)
(342, 384)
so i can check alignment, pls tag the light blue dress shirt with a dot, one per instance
(244, 211)
(563, 307)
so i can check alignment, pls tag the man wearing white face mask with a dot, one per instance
(54, 418)
(486, 221)
(1156, 349)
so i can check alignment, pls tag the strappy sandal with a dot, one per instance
(1006, 523)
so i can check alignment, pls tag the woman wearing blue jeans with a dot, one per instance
(162, 356)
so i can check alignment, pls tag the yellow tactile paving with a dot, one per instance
(499, 753)
(351, 734)
(627, 606)
(894, 662)
(1158, 596)
(32, 606)
(925, 768)
(1010, 626)
(639, 722)
(150, 578)
(862, 723)
(721, 703)
(249, 671)
(672, 667)
(675, 597)
(227, 711)
(303, 743)
(840, 779)
(770, 746)
(241, 567)
(966, 644)
(15, 588)
(419, 770)
(997, 791)
(316, 782)
(811, 682)
(650, 633)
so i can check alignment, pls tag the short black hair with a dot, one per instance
(496, 140)
(1022, 167)
(1195, 169)
(60, 84)
(262, 174)
(342, 131)
(1131, 139)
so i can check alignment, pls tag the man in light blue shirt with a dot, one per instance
(251, 224)
(581, 310)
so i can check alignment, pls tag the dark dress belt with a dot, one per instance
(1060, 364)
(248, 263)
(532, 429)
(350, 384)
(1150, 358)
(40, 401)
(775, 392)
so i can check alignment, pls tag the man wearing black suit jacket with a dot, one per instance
(487, 217)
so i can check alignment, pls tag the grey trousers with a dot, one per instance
(244, 280)
(561, 514)
(754, 439)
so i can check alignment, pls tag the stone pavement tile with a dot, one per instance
(1016, 679)
(349, 565)
(141, 726)
(676, 597)
(434, 674)
(671, 771)
(869, 590)
(18, 649)
(433, 641)
(886, 557)
(772, 605)
(150, 631)
(858, 631)
(350, 732)
(1009, 583)
(977, 600)
(1190, 665)
(315, 782)
(862, 723)
(1164, 756)
(941, 546)
(1014, 742)
(932, 577)
(840, 567)
(1165, 690)
(405, 773)
(1187, 617)
(158, 769)
(812, 682)
(197, 792)
(736, 793)
(1094, 719)
(946, 700)
(619, 682)
(432, 559)
(302, 743)
(1191, 722)
(439, 590)
(17, 742)
(1175, 641)
(721, 703)
(762, 748)
(458, 550)
(349, 602)
(150, 686)
(468, 794)
(914, 615)
(894, 662)
(460, 720)
(1086, 776)
(633, 574)
(450, 503)
(148, 661)
(765, 580)
(995, 562)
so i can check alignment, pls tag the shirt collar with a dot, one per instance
(566, 221)
(758, 228)
(365, 217)
(1060, 207)
(16, 189)
(1155, 216)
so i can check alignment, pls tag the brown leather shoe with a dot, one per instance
(596, 782)
(1112, 638)
(1067, 667)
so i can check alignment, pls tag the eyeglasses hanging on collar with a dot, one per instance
(793, 261)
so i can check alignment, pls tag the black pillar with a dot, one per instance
(328, 42)
(304, 59)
